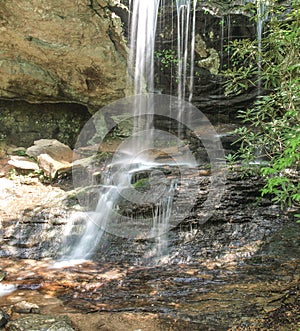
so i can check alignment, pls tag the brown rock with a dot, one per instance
(23, 163)
(25, 307)
(59, 51)
(52, 167)
(55, 149)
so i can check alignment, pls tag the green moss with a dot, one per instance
(141, 184)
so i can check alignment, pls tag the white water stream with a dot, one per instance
(185, 45)
(143, 22)
(262, 15)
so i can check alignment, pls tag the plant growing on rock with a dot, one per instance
(272, 125)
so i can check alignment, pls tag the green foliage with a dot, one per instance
(272, 125)
(142, 183)
(20, 152)
(167, 58)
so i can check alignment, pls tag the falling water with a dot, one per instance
(161, 221)
(142, 40)
(222, 23)
(228, 38)
(185, 42)
(141, 65)
(261, 17)
(141, 68)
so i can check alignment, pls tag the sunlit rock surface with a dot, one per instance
(61, 52)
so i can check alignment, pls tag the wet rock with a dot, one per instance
(23, 163)
(25, 307)
(44, 322)
(57, 150)
(4, 318)
(29, 216)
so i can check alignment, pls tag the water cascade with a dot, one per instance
(185, 42)
(142, 40)
(134, 155)
(262, 15)
(161, 222)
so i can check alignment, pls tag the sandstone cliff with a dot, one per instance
(61, 51)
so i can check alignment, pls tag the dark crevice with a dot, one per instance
(21, 123)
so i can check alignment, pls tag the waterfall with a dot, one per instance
(141, 65)
(142, 40)
(185, 44)
(130, 158)
(161, 221)
(143, 23)
(262, 14)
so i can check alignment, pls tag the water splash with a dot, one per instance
(6, 289)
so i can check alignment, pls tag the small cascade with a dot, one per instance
(141, 65)
(186, 23)
(228, 21)
(222, 23)
(95, 222)
(142, 40)
(161, 221)
(262, 15)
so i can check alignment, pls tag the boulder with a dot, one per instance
(55, 149)
(25, 307)
(51, 167)
(41, 322)
(23, 163)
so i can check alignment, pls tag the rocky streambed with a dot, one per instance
(238, 271)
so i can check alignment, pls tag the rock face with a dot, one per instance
(61, 60)
(58, 62)
(61, 52)
(217, 24)
(21, 123)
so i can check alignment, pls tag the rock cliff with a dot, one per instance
(61, 51)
